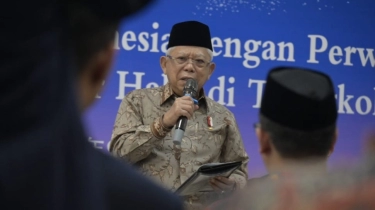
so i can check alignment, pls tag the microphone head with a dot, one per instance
(191, 88)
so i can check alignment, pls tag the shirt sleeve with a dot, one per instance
(131, 138)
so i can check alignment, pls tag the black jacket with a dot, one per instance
(45, 159)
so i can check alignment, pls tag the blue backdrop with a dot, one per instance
(249, 38)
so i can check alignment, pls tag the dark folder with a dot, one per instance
(199, 181)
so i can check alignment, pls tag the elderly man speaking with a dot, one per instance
(143, 132)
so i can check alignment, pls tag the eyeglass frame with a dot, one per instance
(193, 61)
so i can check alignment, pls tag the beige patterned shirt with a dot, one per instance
(140, 138)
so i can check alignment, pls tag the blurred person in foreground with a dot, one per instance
(142, 133)
(296, 134)
(46, 162)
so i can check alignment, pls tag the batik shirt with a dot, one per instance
(211, 136)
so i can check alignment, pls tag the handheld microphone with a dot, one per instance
(190, 89)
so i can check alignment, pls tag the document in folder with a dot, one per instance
(199, 181)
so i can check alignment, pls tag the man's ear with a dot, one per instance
(264, 141)
(102, 64)
(211, 69)
(332, 148)
(163, 64)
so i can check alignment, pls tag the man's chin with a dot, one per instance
(178, 91)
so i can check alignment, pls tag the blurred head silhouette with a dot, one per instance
(92, 39)
(297, 119)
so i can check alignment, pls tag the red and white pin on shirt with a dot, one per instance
(210, 122)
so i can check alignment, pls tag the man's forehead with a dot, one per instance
(198, 51)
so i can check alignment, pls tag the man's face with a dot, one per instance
(185, 62)
(93, 74)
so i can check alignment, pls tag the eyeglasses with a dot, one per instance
(183, 59)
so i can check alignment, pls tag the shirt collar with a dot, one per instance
(168, 93)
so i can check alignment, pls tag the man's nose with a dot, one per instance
(189, 66)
